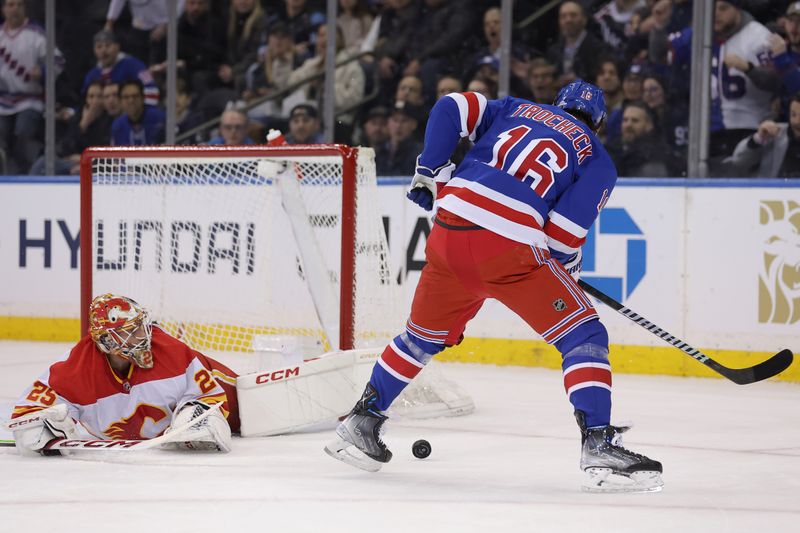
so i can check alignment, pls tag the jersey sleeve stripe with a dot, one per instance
(567, 224)
(470, 109)
(559, 235)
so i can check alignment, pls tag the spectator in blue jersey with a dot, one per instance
(22, 57)
(232, 128)
(576, 52)
(304, 125)
(773, 151)
(139, 124)
(114, 65)
(398, 155)
(786, 55)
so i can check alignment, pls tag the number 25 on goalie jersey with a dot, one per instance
(536, 174)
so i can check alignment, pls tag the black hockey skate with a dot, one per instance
(358, 441)
(607, 463)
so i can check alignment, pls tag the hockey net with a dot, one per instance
(242, 249)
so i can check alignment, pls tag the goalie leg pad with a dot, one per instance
(211, 433)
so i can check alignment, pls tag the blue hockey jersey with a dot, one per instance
(535, 175)
(125, 68)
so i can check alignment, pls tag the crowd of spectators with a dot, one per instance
(258, 65)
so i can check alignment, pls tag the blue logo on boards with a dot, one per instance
(615, 222)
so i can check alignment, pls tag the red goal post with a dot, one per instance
(105, 166)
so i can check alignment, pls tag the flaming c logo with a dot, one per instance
(779, 279)
(131, 427)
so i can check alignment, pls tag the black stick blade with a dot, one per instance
(764, 370)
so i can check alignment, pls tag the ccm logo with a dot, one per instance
(15, 425)
(278, 375)
(99, 443)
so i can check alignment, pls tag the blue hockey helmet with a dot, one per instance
(583, 97)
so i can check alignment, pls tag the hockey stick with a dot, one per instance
(123, 444)
(741, 376)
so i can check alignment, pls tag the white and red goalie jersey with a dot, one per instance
(139, 405)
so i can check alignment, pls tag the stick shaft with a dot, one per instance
(741, 376)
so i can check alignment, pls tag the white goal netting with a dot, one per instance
(241, 251)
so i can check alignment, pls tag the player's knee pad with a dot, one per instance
(420, 349)
(591, 332)
(588, 350)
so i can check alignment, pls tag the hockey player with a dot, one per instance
(128, 379)
(509, 223)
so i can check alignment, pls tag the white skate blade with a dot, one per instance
(602, 480)
(346, 452)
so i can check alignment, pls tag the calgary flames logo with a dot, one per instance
(779, 280)
(112, 312)
(131, 427)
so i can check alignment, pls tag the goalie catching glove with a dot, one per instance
(34, 430)
(211, 433)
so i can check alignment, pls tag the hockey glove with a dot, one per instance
(211, 433)
(423, 191)
(40, 427)
(426, 182)
(572, 263)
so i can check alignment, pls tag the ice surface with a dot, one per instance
(731, 459)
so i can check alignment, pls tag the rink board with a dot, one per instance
(714, 262)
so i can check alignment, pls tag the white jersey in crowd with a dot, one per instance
(145, 14)
(743, 105)
(21, 51)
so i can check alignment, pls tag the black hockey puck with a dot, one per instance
(421, 449)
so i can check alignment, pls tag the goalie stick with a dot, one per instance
(122, 444)
(741, 376)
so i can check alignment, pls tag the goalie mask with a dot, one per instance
(120, 326)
